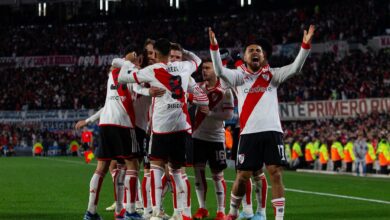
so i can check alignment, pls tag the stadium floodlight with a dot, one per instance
(106, 5)
(44, 9)
(171, 3)
(242, 3)
(39, 9)
(177, 4)
(101, 5)
(249, 2)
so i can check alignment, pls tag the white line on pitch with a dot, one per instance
(287, 189)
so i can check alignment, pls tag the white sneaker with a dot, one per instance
(176, 216)
(112, 207)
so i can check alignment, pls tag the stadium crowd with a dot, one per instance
(83, 87)
(354, 21)
(374, 127)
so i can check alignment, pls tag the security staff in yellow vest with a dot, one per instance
(349, 156)
(337, 153)
(309, 154)
(324, 154)
(297, 154)
(383, 152)
(370, 155)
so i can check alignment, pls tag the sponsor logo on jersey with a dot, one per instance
(173, 69)
(241, 158)
(258, 89)
(175, 105)
(117, 98)
(265, 76)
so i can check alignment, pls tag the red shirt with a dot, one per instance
(86, 137)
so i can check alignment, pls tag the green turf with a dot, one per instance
(57, 188)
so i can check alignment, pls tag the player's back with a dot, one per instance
(170, 112)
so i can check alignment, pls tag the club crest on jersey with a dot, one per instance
(241, 158)
(265, 76)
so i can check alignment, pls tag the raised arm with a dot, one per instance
(193, 57)
(285, 72)
(232, 77)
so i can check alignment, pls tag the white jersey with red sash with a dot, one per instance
(118, 109)
(211, 127)
(257, 92)
(169, 112)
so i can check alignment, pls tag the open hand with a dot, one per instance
(213, 40)
(308, 35)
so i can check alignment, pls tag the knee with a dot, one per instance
(243, 177)
(275, 175)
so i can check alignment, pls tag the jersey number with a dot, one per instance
(176, 89)
(281, 152)
(220, 155)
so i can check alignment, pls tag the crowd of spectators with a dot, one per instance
(357, 75)
(53, 88)
(354, 21)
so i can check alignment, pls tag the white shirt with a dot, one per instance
(257, 92)
(170, 113)
(211, 127)
(118, 109)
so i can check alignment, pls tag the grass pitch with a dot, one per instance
(57, 188)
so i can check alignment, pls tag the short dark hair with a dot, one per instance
(163, 46)
(130, 48)
(206, 59)
(265, 45)
(149, 41)
(176, 46)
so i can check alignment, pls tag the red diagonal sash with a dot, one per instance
(163, 76)
(124, 92)
(214, 98)
(253, 97)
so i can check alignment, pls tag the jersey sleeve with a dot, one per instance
(139, 89)
(199, 96)
(130, 74)
(283, 73)
(117, 62)
(94, 117)
(193, 58)
(232, 78)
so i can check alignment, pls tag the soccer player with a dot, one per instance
(171, 126)
(261, 138)
(209, 139)
(118, 142)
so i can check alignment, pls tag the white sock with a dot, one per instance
(261, 192)
(187, 195)
(200, 185)
(94, 190)
(235, 202)
(279, 206)
(220, 190)
(165, 181)
(146, 196)
(119, 187)
(178, 190)
(247, 199)
(131, 185)
(156, 173)
(139, 203)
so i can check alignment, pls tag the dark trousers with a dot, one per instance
(349, 167)
(369, 168)
(336, 165)
(324, 166)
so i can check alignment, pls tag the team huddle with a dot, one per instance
(145, 119)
